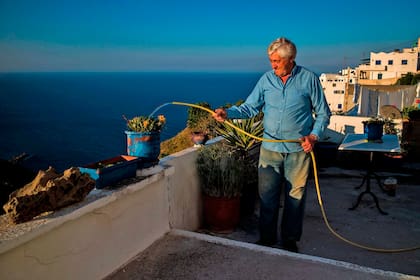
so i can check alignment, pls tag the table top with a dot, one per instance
(359, 142)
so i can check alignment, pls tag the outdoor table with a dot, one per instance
(358, 142)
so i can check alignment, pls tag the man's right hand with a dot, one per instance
(220, 115)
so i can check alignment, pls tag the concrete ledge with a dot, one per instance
(13, 236)
(90, 239)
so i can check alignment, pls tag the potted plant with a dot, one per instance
(221, 170)
(249, 148)
(200, 132)
(411, 113)
(143, 136)
(411, 132)
(373, 128)
(200, 123)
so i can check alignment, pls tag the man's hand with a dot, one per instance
(308, 142)
(220, 115)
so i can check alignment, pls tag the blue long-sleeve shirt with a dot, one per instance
(292, 110)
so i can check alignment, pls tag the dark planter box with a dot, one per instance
(110, 171)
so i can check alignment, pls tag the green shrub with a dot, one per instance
(221, 170)
(411, 113)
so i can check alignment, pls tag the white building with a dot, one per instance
(381, 69)
(335, 87)
(386, 68)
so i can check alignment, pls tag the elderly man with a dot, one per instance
(294, 107)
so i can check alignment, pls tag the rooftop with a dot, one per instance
(205, 255)
(150, 227)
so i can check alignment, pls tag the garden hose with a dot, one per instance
(317, 187)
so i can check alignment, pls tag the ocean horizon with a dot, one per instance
(65, 119)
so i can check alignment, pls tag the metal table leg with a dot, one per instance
(366, 179)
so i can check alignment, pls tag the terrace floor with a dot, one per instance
(207, 255)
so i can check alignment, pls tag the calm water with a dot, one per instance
(71, 119)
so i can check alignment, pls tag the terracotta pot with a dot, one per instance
(221, 214)
(199, 138)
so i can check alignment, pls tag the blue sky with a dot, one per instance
(186, 35)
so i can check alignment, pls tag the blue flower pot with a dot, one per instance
(145, 145)
(373, 131)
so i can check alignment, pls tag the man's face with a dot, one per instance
(281, 66)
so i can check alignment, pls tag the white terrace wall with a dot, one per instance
(184, 194)
(101, 236)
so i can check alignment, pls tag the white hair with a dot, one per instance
(284, 47)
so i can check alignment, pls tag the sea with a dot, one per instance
(66, 119)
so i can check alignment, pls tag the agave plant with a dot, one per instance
(226, 168)
(238, 139)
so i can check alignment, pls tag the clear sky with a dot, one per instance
(191, 35)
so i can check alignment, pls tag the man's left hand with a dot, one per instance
(308, 142)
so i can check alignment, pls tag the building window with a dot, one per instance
(390, 62)
(380, 76)
(334, 85)
(339, 106)
(377, 62)
(404, 62)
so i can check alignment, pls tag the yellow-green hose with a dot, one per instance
(317, 187)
